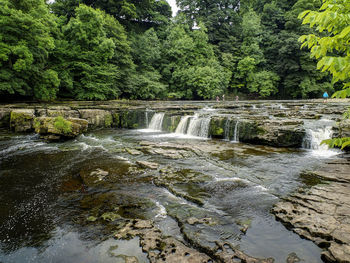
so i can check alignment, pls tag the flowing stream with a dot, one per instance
(56, 197)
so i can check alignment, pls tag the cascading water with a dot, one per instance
(146, 117)
(315, 134)
(236, 132)
(227, 129)
(194, 126)
(156, 122)
(199, 126)
(182, 126)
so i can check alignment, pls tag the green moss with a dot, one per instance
(62, 125)
(116, 119)
(36, 123)
(19, 117)
(108, 121)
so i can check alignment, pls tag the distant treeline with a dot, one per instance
(99, 50)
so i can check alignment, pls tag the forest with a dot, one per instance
(135, 49)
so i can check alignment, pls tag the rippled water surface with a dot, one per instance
(48, 198)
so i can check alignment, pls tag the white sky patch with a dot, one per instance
(174, 7)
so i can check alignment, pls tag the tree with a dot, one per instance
(25, 43)
(333, 50)
(146, 50)
(190, 66)
(93, 56)
(134, 15)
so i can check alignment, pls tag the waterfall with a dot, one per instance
(313, 138)
(199, 127)
(227, 129)
(156, 122)
(146, 117)
(236, 132)
(194, 126)
(182, 126)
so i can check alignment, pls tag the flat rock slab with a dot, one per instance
(322, 213)
(147, 165)
(160, 248)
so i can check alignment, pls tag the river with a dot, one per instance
(62, 202)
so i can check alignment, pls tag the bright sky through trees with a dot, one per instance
(173, 5)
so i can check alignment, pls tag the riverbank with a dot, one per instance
(322, 213)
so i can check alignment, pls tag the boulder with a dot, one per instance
(21, 120)
(58, 128)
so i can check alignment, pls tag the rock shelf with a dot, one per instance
(322, 213)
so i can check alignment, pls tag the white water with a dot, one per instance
(182, 126)
(236, 133)
(146, 117)
(193, 126)
(199, 126)
(156, 122)
(227, 129)
(315, 136)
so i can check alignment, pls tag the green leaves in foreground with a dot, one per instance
(333, 49)
(337, 142)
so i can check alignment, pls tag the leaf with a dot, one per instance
(345, 32)
(345, 144)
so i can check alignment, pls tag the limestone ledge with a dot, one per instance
(322, 212)
(257, 122)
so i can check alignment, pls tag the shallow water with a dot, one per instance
(47, 196)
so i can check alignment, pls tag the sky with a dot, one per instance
(173, 5)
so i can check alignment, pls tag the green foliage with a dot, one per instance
(62, 125)
(264, 83)
(146, 51)
(94, 56)
(191, 66)
(338, 142)
(332, 50)
(25, 42)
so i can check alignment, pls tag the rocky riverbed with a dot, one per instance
(172, 182)
(322, 213)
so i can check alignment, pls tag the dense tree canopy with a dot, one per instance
(25, 44)
(98, 50)
(332, 49)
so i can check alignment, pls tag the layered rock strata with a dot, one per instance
(322, 212)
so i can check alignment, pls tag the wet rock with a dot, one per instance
(5, 117)
(322, 213)
(148, 165)
(293, 258)
(21, 120)
(133, 151)
(97, 118)
(53, 129)
(160, 248)
(176, 180)
(170, 122)
(66, 112)
(93, 177)
(344, 128)
(193, 221)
